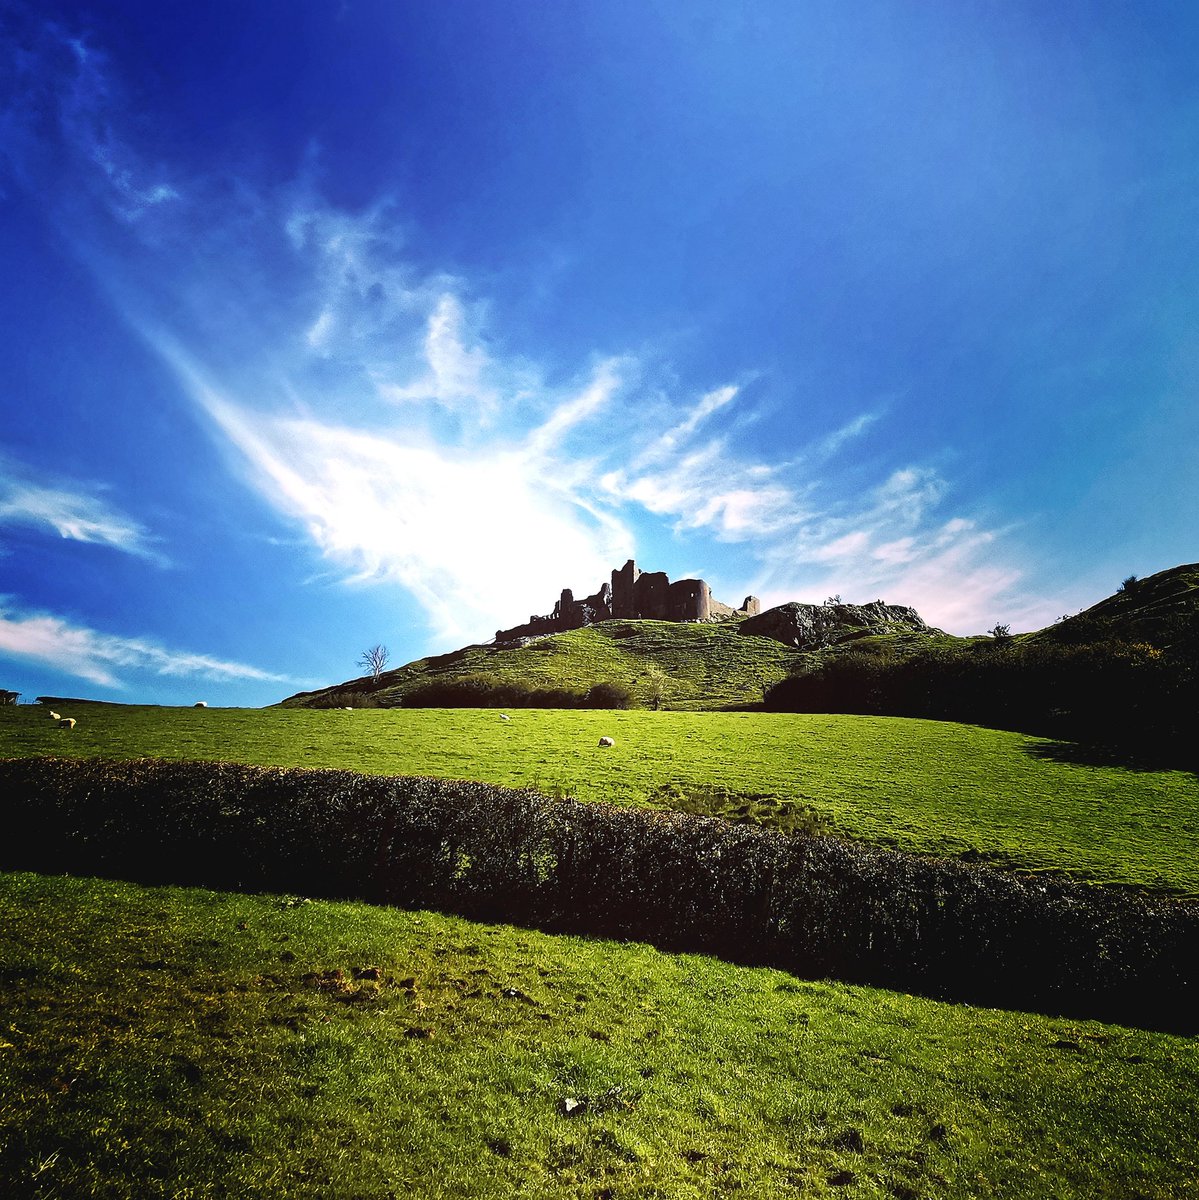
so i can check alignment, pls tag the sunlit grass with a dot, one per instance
(678, 664)
(925, 786)
(169, 1042)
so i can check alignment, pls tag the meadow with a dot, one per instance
(929, 787)
(165, 1042)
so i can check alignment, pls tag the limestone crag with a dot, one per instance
(632, 595)
(813, 626)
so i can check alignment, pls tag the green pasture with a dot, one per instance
(930, 787)
(162, 1042)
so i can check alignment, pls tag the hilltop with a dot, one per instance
(1161, 610)
(722, 662)
(730, 658)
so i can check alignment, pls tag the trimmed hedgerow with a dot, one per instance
(814, 905)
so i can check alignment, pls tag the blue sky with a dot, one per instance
(333, 324)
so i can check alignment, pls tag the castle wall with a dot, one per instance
(624, 599)
(691, 600)
(632, 595)
(651, 596)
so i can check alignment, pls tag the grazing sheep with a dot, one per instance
(606, 741)
(66, 722)
(505, 717)
(55, 717)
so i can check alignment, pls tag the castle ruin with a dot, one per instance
(632, 595)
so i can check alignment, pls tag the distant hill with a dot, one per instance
(733, 663)
(1161, 610)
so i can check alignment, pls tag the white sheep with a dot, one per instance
(606, 741)
(66, 722)
(505, 717)
(54, 716)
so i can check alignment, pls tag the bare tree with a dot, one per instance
(374, 660)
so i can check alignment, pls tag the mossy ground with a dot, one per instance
(925, 786)
(161, 1042)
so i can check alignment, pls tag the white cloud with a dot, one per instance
(99, 657)
(455, 372)
(68, 511)
(134, 196)
(670, 442)
(369, 310)
(575, 410)
(707, 488)
(839, 438)
(361, 398)
(887, 548)
(471, 535)
(86, 99)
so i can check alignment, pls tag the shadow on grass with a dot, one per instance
(1089, 754)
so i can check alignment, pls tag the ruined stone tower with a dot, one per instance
(633, 595)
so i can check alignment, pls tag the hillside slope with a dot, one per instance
(670, 664)
(1162, 610)
(661, 663)
(731, 664)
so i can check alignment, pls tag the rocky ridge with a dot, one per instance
(815, 626)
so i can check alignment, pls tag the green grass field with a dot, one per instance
(925, 786)
(182, 1043)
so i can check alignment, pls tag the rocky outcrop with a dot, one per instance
(632, 595)
(814, 626)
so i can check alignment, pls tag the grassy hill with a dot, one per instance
(677, 665)
(1161, 610)
(164, 1042)
(719, 666)
(662, 664)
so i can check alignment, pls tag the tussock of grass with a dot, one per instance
(170, 1042)
(924, 786)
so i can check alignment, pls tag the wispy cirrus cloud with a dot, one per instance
(455, 371)
(359, 395)
(459, 529)
(897, 543)
(666, 446)
(70, 510)
(706, 488)
(544, 486)
(103, 658)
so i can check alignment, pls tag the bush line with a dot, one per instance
(1132, 697)
(816, 906)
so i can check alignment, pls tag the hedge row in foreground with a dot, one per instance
(816, 906)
